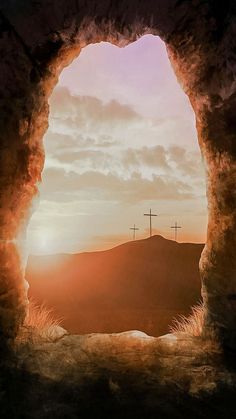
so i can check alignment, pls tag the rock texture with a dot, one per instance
(37, 39)
(128, 375)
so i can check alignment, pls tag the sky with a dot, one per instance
(121, 140)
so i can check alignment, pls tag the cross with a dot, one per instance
(134, 228)
(150, 215)
(176, 227)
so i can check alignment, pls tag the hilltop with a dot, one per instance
(138, 285)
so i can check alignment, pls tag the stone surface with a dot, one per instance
(128, 375)
(39, 38)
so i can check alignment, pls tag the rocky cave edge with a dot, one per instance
(37, 40)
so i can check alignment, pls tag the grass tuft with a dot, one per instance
(192, 325)
(40, 322)
(40, 317)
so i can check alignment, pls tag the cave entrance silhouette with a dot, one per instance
(105, 164)
(202, 55)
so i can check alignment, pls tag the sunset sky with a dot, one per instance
(121, 140)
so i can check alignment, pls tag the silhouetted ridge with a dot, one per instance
(137, 285)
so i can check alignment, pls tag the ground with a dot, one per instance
(128, 375)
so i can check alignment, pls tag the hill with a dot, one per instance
(138, 285)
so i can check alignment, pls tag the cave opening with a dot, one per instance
(121, 139)
(201, 51)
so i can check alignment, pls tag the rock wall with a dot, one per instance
(37, 40)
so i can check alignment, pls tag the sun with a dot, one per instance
(42, 241)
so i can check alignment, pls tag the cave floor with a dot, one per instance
(126, 375)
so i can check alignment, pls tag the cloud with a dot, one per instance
(88, 159)
(59, 185)
(86, 122)
(155, 157)
(96, 123)
(186, 162)
(91, 153)
(54, 141)
(106, 141)
(68, 148)
(174, 158)
(88, 110)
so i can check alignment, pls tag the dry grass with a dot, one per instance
(192, 325)
(39, 323)
(40, 317)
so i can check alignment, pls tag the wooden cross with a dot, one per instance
(176, 227)
(134, 228)
(150, 215)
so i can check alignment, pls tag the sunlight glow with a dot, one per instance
(44, 240)
(121, 140)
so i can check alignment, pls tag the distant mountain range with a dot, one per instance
(140, 285)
